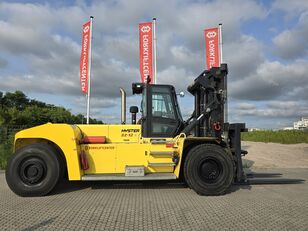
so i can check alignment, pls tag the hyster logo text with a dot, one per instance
(130, 130)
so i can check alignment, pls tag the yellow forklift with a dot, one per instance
(204, 151)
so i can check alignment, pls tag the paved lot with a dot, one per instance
(158, 206)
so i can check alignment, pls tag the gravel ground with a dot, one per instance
(270, 155)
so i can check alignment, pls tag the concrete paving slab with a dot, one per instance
(158, 206)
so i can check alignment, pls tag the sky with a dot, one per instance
(264, 44)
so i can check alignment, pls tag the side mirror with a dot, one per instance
(181, 94)
(134, 110)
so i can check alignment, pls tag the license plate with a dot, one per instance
(134, 171)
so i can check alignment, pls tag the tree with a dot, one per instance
(17, 109)
(17, 99)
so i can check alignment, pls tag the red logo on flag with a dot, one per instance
(212, 47)
(84, 57)
(145, 49)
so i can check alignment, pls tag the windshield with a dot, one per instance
(162, 106)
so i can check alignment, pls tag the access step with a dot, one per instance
(162, 153)
(161, 141)
(161, 164)
(115, 177)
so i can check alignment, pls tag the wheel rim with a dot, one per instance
(32, 171)
(210, 170)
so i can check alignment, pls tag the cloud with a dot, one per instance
(294, 8)
(97, 103)
(292, 43)
(3, 63)
(269, 114)
(272, 80)
(243, 56)
(17, 39)
(246, 106)
(46, 38)
(180, 78)
(275, 109)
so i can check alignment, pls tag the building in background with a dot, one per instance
(254, 129)
(301, 124)
(288, 128)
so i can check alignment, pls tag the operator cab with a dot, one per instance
(161, 116)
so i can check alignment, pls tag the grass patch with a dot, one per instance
(282, 137)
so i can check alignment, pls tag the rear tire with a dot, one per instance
(33, 170)
(208, 169)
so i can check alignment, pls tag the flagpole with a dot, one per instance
(226, 79)
(154, 51)
(220, 43)
(89, 77)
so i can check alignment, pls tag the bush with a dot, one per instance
(6, 149)
(283, 137)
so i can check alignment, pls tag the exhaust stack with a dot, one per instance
(123, 106)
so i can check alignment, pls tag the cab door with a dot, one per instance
(160, 117)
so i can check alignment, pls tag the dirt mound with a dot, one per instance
(270, 155)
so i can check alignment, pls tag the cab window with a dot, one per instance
(162, 106)
(164, 121)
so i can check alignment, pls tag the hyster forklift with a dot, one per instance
(205, 151)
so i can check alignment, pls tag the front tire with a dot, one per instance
(33, 170)
(208, 169)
